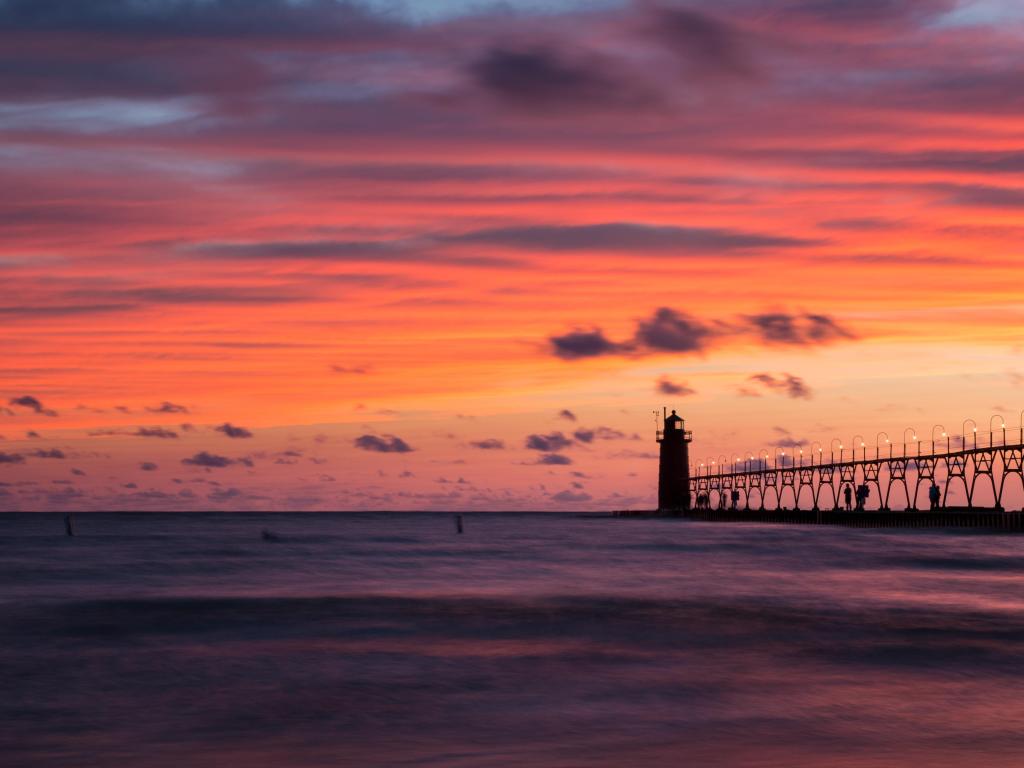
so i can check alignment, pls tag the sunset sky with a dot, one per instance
(451, 254)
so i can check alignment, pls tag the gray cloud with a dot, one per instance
(53, 453)
(11, 458)
(666, 386)
(148, 466)
(569, 497)
(543, 80)
(782, 328)
(383, 444)
(673, 331)
(205, 459)
(272, 21)
(669, 330)
(232, 431)
(579, 344)
(159, 432)
(489, 444)
(555, 441)
(28, 401)
(786, 383)
(554, 459)
(225, 494)
(630, 237)
(706, 45)
(598, 433)
(167, 407)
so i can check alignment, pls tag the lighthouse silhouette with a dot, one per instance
(674, 467)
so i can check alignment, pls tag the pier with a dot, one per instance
(861, 486)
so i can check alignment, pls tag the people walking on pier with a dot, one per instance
(848, 496)
(934, 496)
(735, 499)
(862, 496)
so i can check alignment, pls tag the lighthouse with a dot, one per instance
(674, 467)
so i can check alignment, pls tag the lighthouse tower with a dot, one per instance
(674, 468)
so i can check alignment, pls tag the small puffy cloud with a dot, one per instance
(33, 435)
(566, 414)
(554, 441)
(32, 403)
(786, 384)
(232, 431)
(666, 386)
(544, 80)
(669, 330)
(167, 407)
(554, 459)
(598, 433)
(225, 494)
(570, 497)
(159, 432)
(53, 453)
(584, 435)
(11, 458)
(79, 472)
(349, 370)
(206, 459)
(805, 329)
(489, 444)
(382, 444)
(148, 466)
(788, 441)
(672, 331)
(579, 344)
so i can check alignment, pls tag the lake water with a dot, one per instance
(530, 640)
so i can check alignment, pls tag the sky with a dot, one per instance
(287, 254)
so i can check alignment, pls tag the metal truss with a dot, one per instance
(820, 486)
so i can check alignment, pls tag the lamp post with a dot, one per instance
(939, 426)
(859, 440)
(832, 450)
(992, 433)
(820, 451)
(887, 442)
(913, 432)
(802, 456)
(763, 461)
(777, 458)
(964, 427)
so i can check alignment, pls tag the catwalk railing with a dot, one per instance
(792, 480)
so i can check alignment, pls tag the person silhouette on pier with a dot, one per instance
(848, 496)
(934, 496)
(862, 496)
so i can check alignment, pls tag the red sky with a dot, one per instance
(394, 246)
